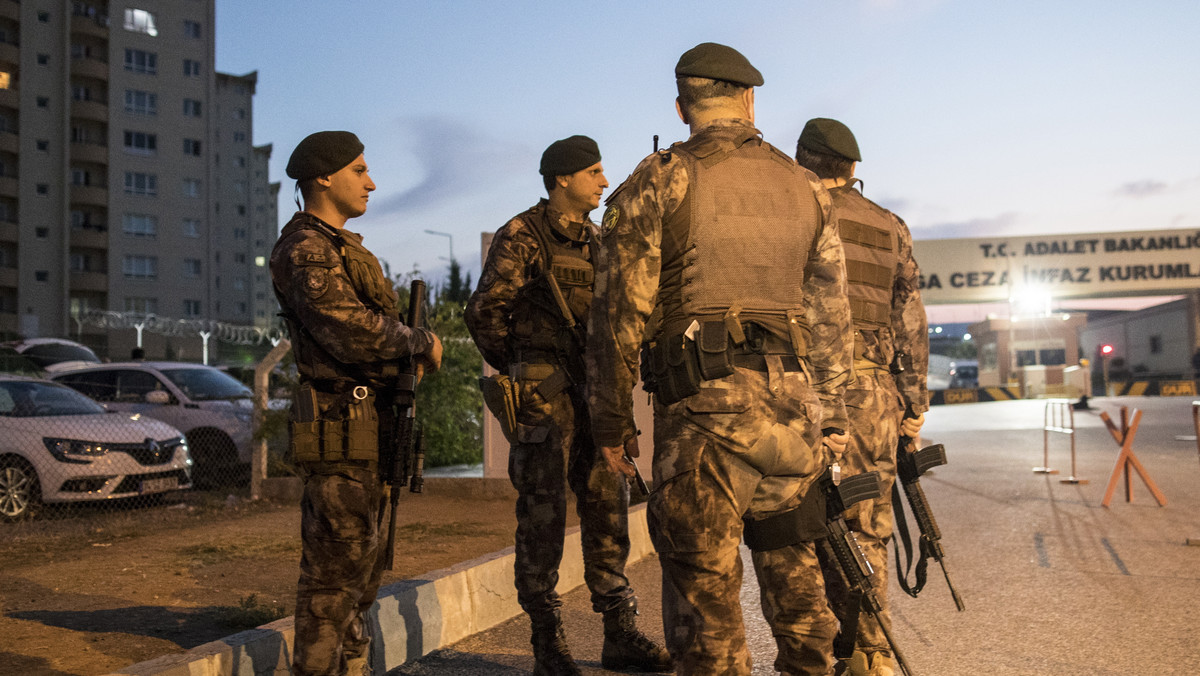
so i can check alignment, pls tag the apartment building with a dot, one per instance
(129, 180)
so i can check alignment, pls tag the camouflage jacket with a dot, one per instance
(908, 330)
(343, 306)
(509, 290)
(628, 278)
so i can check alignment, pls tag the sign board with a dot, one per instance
(991, 269)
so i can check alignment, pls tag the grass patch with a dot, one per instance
(249, 613)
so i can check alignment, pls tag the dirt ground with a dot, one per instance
(99, 592)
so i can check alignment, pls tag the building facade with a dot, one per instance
(129, 180)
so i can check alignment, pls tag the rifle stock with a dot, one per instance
(909, 468)
(408, 444)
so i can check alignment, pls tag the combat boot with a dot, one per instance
(626, 648)
(875, 664)
(551, 656)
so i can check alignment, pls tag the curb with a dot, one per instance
(410, 618)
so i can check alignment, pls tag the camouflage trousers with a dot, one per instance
(874, 409)
(340, 567)
(554, 449)
(747, 445)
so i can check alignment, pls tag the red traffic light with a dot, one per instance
(1106, 349)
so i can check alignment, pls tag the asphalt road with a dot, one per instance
(1054, 583)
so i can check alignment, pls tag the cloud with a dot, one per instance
(457, 161)
(1138, 189)
(1001, 225)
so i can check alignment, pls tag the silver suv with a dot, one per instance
(211, 407)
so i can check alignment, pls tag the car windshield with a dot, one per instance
(29, 399)
(52, 353)
(206, 384)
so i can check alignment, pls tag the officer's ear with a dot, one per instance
(561, 181)
(748, 102)
(679, 111)
(324, 182)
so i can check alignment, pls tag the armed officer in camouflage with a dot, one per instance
(720, 261)
(529, 317)
(891, 358)
(349, 343)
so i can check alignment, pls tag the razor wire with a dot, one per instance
(237, 334)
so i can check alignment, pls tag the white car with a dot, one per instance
(212, 408)
(49, 351)
(57, 445)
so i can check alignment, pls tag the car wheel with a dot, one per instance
(20, 493)
(216, 459)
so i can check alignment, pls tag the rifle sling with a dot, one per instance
(901, 523)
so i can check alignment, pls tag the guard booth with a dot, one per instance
(1037, 354)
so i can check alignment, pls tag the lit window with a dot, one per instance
(140, 21)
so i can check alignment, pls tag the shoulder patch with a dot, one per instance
(612, 215)
(320, 259)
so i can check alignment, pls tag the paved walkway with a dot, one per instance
(1054, 583)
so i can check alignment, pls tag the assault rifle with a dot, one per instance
(909, 468)
(851, 559)
(407, 452)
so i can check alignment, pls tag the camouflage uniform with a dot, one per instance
(889, 318)
(519, 330)
(346, 331)
(747, 445)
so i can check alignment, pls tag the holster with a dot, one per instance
(334, 427)
(501, 394)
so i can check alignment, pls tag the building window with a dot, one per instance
(239, 258)
(42, 233)
(191, 308)
(141, 103)
(1155, 344)
(241, 308)
(191, 108)
(239, 113)
(140, 267)
(239, 284)
(239, 137)
(43, 188)
(42, 275)
(140, 225)
(191, 146)
(43, 145)
(260, 261)
(241, 209)
(43, 102)
(81, 92)
(191, 29)
(81, 177)
(191, 267)
(138, 183)
(140, 143)
(140, 21)
(191, 227)
(141, 61)
(43, 59)
(191, 68)
(191, 187)
(145, 306)
(239, 233)
(241, 161)
(43, 17)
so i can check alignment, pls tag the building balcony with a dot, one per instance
(9, 186)
(9, 231)
(10, 10)
(94, 237)
(89, 194)
(88, 25)
(9, 141)
(89, 281)
(9, 278)
(88, 68)
(89, 110)
(89, 152)
(10, 98)
(9, 53)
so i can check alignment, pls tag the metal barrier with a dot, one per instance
(1059, 416)
(1195, 542)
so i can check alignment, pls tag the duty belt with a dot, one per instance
(758, 362)
(531, 370)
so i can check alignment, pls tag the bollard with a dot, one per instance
(1052, 422)
(1195, 542)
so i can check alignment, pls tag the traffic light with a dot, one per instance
(1106, 349)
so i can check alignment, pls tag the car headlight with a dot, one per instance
(243, 415)
(74, 450)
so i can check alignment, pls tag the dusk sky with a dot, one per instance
(974, 117)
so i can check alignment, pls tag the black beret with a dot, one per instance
(823, 135)
(718, 62)
(569, 155)
(323, 153)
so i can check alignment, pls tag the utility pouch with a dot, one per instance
(712, 351)
(361, 426)
(499, 394)
(674, 366)
(305, 428)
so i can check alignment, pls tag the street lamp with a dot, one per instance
(447, 236)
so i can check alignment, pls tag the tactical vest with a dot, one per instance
(538, 328)
(373, 290)
(751, 226)
(871, 244)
